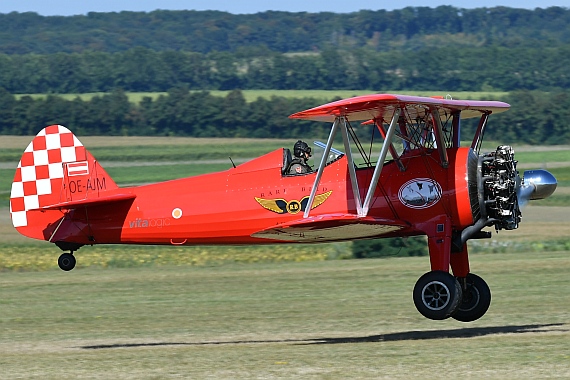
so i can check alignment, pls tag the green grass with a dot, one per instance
(555, 200)
(12, 155)
(312, 320)
(543, 157)
(6, 178)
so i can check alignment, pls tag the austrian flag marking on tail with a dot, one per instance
(77, 168)
(40, 170)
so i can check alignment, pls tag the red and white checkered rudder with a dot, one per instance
(55, 169)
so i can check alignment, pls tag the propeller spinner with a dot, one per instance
(536, 184)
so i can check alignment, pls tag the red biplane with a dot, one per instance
(429, 185)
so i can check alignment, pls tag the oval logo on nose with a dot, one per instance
(420, 193)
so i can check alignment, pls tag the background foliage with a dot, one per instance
(448, 67)
(415, 48)
(373, 248)
(186, 54)
(203, 32)
(536, 117)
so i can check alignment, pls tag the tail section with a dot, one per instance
(54, 173)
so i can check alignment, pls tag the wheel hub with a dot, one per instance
(435, 295)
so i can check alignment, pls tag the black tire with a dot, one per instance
(476, 300)
(66, 261)
(437, 295)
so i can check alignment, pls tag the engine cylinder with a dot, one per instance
(498, 182)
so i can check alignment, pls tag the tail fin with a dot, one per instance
(54, 169)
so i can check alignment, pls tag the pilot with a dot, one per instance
(302, 153)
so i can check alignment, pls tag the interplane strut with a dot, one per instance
(362, 208)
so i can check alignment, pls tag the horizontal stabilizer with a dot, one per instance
(90, 202)
(331, 227)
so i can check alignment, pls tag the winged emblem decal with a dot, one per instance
(281, 206)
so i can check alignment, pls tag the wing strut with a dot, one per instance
(362, 208)
(393, 151)
(322, 165)
(438, 129)
(380, 163)
(351, 168)
(478, 139)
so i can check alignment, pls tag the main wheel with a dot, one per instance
(66, 261)
(476, 299)
(437, 295)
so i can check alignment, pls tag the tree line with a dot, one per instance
(208, 31)
(535, 117)
(143, 70)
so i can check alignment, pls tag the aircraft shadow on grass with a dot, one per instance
(400, 336)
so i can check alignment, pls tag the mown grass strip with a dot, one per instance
(310, 320)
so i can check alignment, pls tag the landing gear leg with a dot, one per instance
(66, 261)
(476, 293)
(437, 294)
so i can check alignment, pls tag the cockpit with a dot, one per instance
(317, 156)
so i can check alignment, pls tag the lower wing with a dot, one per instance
(331, 227)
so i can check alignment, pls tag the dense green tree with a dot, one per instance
(208, 31)
(233, 115)
(141, 70)
(8, 103)
(535, 117)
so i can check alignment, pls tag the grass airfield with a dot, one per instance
(313, 320)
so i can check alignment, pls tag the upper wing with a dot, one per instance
(331, 227)
(378, 106)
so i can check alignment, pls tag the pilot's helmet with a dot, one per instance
(300, 148)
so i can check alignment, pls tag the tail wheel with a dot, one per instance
(66, 261)
(437, 295)
(476, 299)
